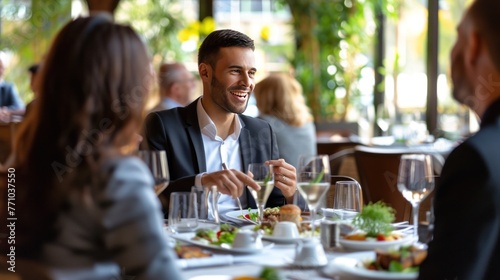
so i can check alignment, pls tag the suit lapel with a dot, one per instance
(194, 133)
(247, 156)
(2, 90)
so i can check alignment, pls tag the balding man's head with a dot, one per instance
(176, 82)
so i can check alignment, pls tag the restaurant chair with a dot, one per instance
(378, 173)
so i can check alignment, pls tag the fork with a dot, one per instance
(224, 166)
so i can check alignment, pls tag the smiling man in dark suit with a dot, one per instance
(211, 131)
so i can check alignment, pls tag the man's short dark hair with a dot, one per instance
(209, 49)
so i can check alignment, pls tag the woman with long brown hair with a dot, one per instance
(86, 209)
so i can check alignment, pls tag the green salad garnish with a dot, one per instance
(374, 219)
(268, 177)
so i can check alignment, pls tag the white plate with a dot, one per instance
(353, 264)
(234, 215)
(364, 245)
(240, 251)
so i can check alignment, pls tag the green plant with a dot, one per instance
(28, 28)
(333, 45)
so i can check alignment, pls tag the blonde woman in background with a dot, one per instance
(280, 101)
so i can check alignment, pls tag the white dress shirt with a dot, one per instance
(217, 151)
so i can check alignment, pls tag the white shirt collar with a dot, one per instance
(207, 126)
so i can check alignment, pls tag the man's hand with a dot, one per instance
(285, 178)
(231, 182)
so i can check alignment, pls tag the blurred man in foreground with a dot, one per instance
(466, 242)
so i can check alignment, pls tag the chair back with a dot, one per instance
(378, 172)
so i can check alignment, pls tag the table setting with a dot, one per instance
(335, 247)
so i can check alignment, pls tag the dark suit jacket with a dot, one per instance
(466, 242)
(178, 133)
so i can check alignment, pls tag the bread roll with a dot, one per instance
(290, 213)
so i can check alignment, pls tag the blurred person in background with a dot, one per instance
(176, 85)
(466, 238)
(33, 70)
(281, 102)
(10, 102)
(88, 210)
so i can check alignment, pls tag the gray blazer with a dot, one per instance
(119, 231)
(178, 133)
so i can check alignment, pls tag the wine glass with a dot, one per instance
(263, 175)
(384, 118)
(183, 212)
(347, 200)
(158, 165)
(415, 182)
(313, 181)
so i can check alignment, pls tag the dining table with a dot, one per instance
(278, 256)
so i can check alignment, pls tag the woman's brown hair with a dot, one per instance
(280, 95)
(93, 86)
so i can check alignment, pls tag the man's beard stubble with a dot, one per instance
(220, 98)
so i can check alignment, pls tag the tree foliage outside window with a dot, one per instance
(334, 40)
(27, 30)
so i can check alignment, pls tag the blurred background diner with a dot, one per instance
(176, 86)
(280, 101)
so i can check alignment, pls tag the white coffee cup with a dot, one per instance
(245, 239)
(285, 230)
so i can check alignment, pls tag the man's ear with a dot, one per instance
(204, 70)
(474, 48)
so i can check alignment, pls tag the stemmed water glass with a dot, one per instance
(158, 165)
(415, 182)
(263, 175)
(313, 181)
(384, 118)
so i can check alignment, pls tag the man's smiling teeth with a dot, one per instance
(239, 94)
